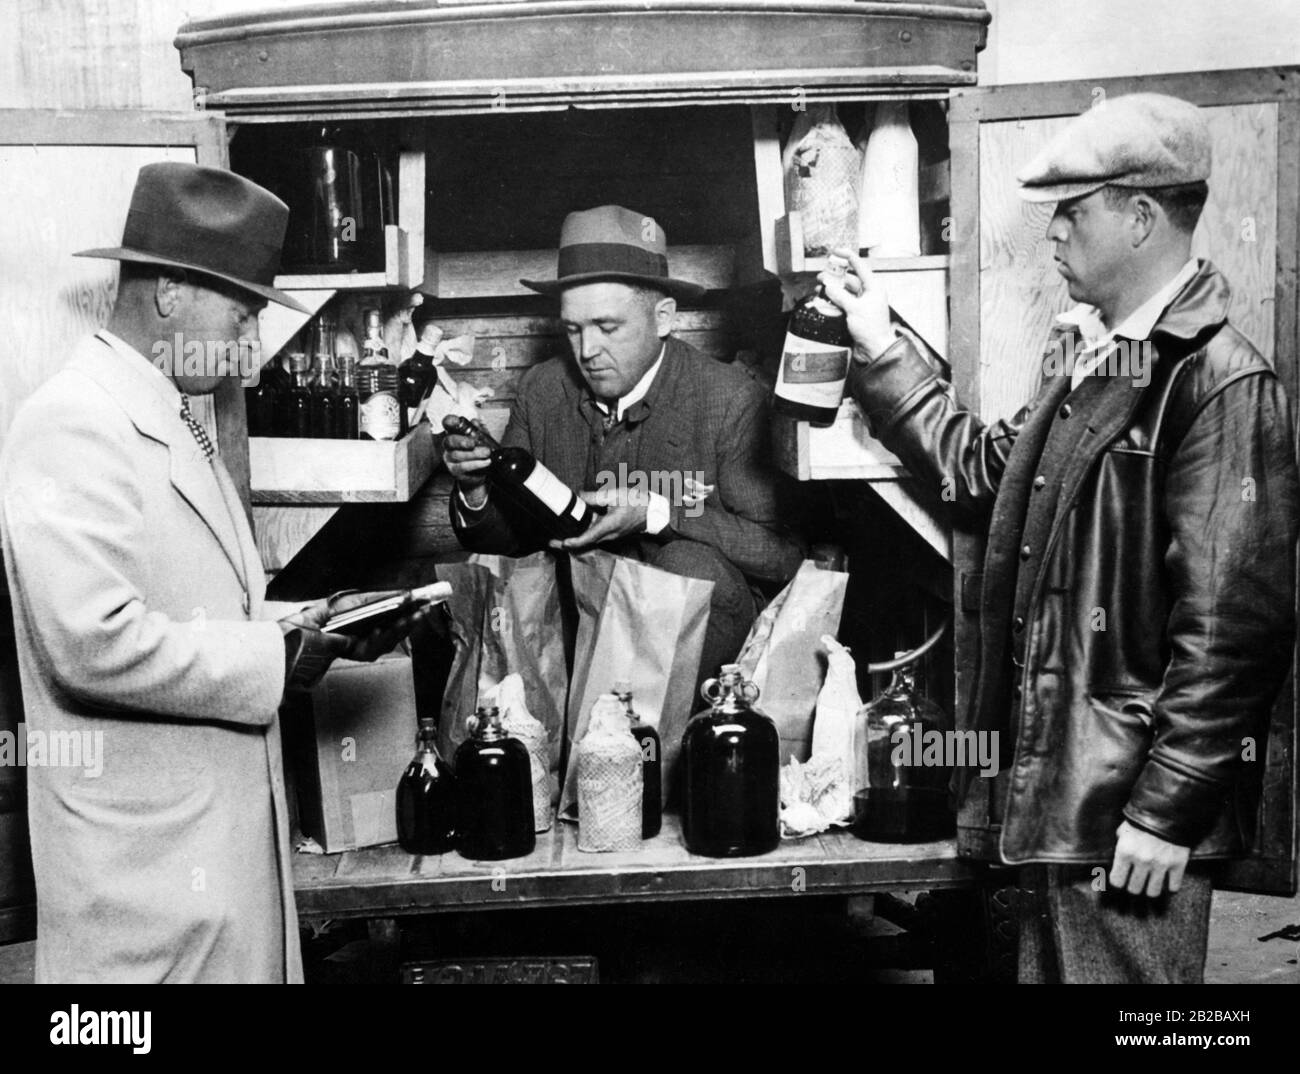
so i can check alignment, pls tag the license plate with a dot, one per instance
(581, 969)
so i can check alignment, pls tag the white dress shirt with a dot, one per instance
(1098, 339)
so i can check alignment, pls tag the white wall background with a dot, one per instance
(1056, 40)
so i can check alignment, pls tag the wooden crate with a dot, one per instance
(290, 470)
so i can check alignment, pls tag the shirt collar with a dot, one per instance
(1138, 324)
(638, 392)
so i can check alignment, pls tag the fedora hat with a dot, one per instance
(207, 220)
(613, 243)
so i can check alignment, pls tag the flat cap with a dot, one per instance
(1138, 140)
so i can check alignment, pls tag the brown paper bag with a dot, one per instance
(505, 617)
(643, 625)
(784, 657)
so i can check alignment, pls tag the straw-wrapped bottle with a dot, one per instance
(610, 781)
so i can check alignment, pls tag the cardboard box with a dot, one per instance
(348, 743)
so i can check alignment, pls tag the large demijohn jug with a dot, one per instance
(731, 771)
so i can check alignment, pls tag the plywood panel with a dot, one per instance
(1020, 290)
(59, 199)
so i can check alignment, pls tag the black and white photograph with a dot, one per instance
(730, 492)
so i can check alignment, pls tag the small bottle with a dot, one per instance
(647, 739)
(295, 402)
(380, 414)
(347, 408)
(324, 396)
(897, 796)
(815, 358)
(373, 349)
(494, 792)
(426, 798)
(418, 373)
(731, 769)
(528, 485)
(260, 402)
(610, 779)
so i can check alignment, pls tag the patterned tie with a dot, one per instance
(200, 433)
(609, 419)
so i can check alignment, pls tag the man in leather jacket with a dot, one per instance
(1138, 595)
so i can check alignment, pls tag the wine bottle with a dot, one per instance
(294, 404)
(529, 485)
(815, 358)
(647, 739)
(426, 797)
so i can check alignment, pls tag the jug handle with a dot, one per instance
(710, 692)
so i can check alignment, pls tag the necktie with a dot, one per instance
(609, 419)
(200, 434)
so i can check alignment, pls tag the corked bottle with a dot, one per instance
(494, 792)
(610, 781)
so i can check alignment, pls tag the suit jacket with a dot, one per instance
(700, 417)
(137, 592)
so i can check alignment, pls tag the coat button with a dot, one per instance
(1026, 552)
(1066, 410)
(1019, 624)
(1040, 481)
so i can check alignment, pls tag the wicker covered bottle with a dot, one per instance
(731, 764)
(610, 781)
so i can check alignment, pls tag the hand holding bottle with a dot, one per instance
(466, 458)
(866, 306)
(624, 515)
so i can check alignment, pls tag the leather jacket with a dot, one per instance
(1138, 594)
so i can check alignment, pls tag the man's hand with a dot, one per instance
(1143, 862)
(862, 298)
(466, 462)
(625, 517)
(366, 647)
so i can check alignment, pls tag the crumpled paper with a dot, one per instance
(448, 395)
(818, 794)
(508, 697)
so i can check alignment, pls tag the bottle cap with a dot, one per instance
(622, 687)
(836, 265)
(427, 723)
(372, 319)
(298, 362)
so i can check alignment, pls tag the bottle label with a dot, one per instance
(812, 373)
(381, 416)
(552, 491)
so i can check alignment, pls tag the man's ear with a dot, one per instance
(665, 315)
(167, 291)
(1144, 212)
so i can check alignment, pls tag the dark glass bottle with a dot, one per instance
(324, 395)
(294, 403)
(494, 793)
(414, 378)
(815, 358)
(648, 739)
(347, 408)
(529, 485)
(260, 402)
(426, 798)
(900, 785)
(731, 765)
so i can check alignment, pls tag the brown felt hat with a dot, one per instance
(613, 243)
(1137, 140)
(206, 220)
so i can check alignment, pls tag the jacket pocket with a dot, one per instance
(1107, 760)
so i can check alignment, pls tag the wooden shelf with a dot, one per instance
(496, 273)
(790, 258)
(386, 881)
(292, 470)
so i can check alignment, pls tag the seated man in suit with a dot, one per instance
(636, 409)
